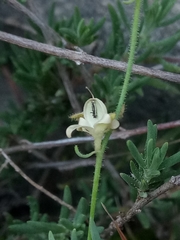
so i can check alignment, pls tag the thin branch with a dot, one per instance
(49, 34)
(40, 188)
(124, 134)
(64, 165)
(4, 165)
(69, 89)
(86, 58)
(140, 203)
(49, 144)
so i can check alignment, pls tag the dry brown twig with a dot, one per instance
(69, 89)
(51, 37)
(140, 203)
(82, 57)
(40, 188)
(49, 34)
(124, 134)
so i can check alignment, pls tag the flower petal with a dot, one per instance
(83, 123)
(114, 124)
(106, 119)
(84, 126)
(70, 129)
(94, 110)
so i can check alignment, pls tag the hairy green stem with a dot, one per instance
(99, 158)
(133, 43)
(99, 154)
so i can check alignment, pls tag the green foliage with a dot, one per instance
(152, 166)
(50, 236)
(45, 108)
(94, 231)
(154, 18)
(46, 103)
(76, 31)
(116, 45)
(39, 226)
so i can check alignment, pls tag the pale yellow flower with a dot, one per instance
(93, 120)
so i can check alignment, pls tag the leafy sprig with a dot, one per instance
(150, 167)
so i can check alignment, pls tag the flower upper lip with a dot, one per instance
(95, 120)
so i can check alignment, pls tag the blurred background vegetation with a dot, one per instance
(40, 108)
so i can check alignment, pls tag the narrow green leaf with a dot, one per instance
(171, 67)
(68, 199)
(169, 21)
(144, 220)
(135, 170)
(50, 236)
(166, 7)
(123, 15)
(74, 235)
(82, 209)
(166, 44)
(51, 20)
(81, 28)
(34, 208)
(69, 34)
(94, 231)
(129, 180)
(35, 227)
(170, 161)
(98, 25)
(163, 150)
(156, 160)
(116, 25)
(76, 17)
(151, 133)
(66, 223)
(135, 153)
(86, 37)
(149, 152)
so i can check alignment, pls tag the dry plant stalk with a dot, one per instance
(40, 188)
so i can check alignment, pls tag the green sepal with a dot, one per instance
(81, 155)
(129, 180)
(135, 153)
